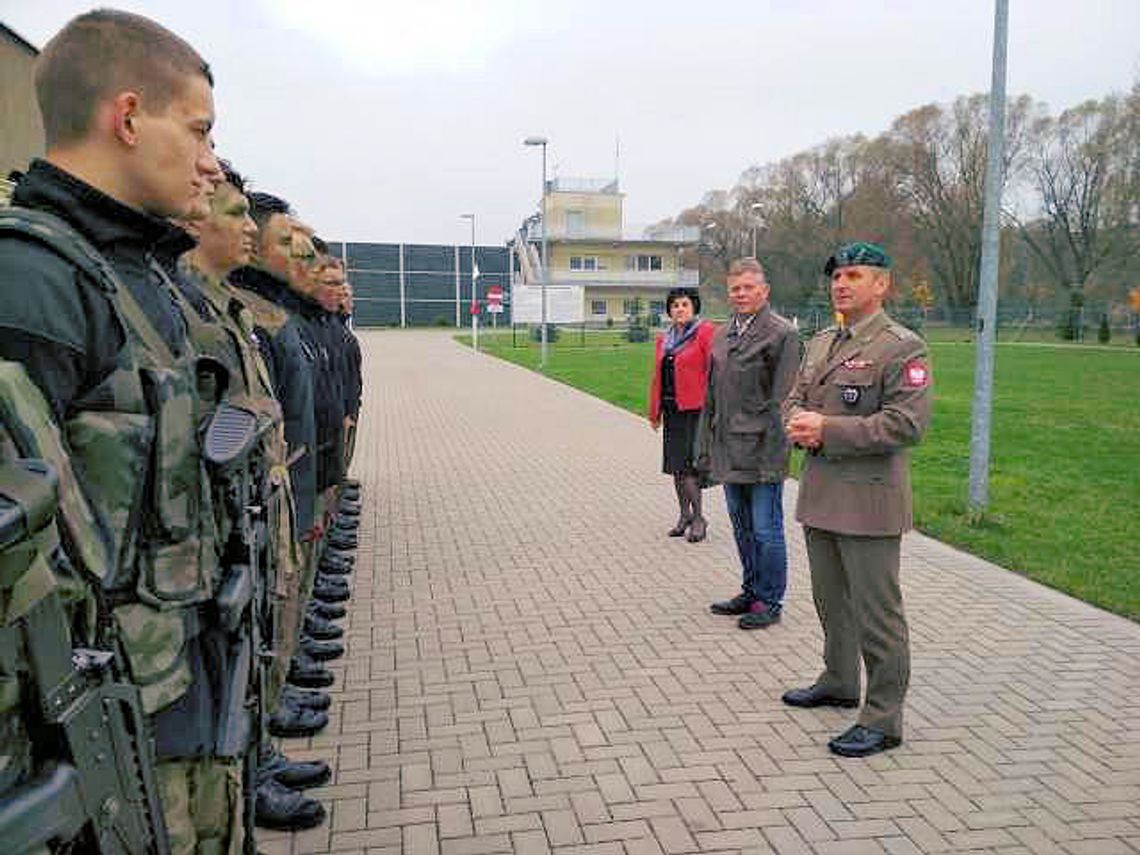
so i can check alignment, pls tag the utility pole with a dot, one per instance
(980, 426)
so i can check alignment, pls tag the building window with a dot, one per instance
(575, 223)
(598, 307)
(584, 262)
(631, 307)
(656, 308)
(643, 263)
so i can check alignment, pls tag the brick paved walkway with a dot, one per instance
(532, 667)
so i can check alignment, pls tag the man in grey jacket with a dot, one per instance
(754, 361)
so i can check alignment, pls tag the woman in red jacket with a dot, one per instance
(676, 396)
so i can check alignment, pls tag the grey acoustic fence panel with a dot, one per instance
(415, 284)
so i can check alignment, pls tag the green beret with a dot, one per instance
(859, 252)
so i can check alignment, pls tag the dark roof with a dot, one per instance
(12, 35)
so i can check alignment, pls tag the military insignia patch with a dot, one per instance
(857, 364)
(850, 395)
(915, 374)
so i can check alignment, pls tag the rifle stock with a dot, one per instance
(90, 783)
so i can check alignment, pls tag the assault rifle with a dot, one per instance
(233, 445)
(85, 780)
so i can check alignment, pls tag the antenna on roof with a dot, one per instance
(617, 161)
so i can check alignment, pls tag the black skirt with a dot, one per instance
(680, 442)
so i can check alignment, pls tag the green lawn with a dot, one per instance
(1065, 479)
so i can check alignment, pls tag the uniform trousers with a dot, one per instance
(855, 584)
(202, 806)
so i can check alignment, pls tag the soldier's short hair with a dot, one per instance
(104, 52)
(262, 206)
(748, 264)
(232, 176)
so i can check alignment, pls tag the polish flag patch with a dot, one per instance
(916, 374)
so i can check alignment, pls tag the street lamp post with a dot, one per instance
(754, 207)
(542, 141)
(706, 226)
(474, 292)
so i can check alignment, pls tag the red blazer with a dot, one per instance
(690, 371)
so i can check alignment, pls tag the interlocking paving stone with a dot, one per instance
(532, 668)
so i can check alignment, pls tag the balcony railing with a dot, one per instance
(626, 278)
(628, 234)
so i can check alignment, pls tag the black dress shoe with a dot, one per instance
(760, 616)
(738, 605)
(301, 697)
(282, 809)
(294, 774)
(860, 741)
(817, 696)
(295, 721)
(330, 611)
(308, 673)
(321, 651)
(346, 522)
(320, 628)
(680, 528)
(349, 508)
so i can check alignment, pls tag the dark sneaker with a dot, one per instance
(760, 616)
(279, 808)
(860, 741)
(738, 605)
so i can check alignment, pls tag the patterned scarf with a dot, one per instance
(676, 338)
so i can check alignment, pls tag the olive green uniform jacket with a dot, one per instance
(874, 391)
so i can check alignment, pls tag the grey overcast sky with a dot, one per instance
(385, 120)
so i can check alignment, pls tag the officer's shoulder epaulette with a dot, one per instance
(901, 331)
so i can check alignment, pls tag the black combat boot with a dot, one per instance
(346, 522)
(329, 611)
(329, 589)
(279, 808)
(292, 721)
(342, 539)
(320, 628)
(331, 566)
(301, 697)
(340, 556)
(307, 673)
(294, 774)
(321, 651)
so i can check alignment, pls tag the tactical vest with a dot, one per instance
(230, 339)
(134, 442)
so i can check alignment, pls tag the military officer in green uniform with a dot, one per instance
(861, 399)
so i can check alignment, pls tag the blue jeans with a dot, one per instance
(757, 513)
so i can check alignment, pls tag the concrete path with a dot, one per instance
(532, 667)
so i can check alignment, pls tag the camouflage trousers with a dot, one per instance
(202, 806)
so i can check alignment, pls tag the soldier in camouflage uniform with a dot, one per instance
(127, 110)
(226, 236)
